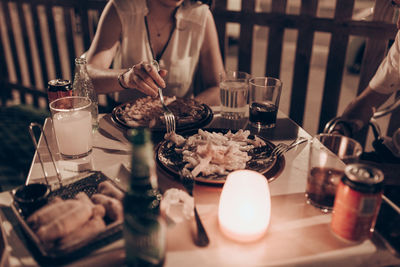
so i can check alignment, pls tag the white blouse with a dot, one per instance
(181, 55)
(387, 78)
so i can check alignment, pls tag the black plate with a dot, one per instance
(166, 156)
(180, 127)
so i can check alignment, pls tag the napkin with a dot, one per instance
(177, 205)
(120, 173)
(67, 168)
(109, 129)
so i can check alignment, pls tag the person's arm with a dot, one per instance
(142, 76)
(385, 81)
(210, 64)
(360, 111)
(102, 51)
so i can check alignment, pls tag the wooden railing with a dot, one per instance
(378, 32)
(29, 61)
(40, 40)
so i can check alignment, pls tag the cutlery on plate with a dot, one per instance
(280, 149)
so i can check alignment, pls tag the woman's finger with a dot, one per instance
(142, 86)
(145, 76)
(163, 73)
(153, 73)
(135, 81)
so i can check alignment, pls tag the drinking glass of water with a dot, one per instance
(72, 123)
(265, 93)
(234, 89)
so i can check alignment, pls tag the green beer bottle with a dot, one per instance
(144, 229)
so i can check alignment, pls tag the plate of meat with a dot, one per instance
(79, 217)
(148, 112)
(211, 154)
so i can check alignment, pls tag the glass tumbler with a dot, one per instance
(234, 89)
(329, 154)
(265, 93)
(72, 123)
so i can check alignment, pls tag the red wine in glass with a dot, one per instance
(263, 114)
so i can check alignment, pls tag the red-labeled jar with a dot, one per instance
(58, 88)
(357, 201)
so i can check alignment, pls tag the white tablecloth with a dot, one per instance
(298, 235)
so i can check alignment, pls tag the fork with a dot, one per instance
(187, 178)
(170, 123)
(283, 148)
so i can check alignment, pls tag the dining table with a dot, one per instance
(298, 234)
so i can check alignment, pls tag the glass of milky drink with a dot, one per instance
(72, 123)
(234, 90)
(329, 154)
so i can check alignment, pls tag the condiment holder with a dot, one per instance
(31, 197)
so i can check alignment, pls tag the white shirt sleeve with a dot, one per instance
(387, 78)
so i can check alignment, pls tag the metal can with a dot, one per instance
(58, 88)
(357, 202)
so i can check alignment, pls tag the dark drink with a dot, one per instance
(58, 88)
(263, 115)
(321, 187)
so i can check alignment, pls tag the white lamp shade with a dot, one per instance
(244, 206)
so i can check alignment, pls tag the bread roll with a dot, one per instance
(114, 209)
(51, 211)
(107, 188)
(98, 210)
(66, 223)
(91, 228)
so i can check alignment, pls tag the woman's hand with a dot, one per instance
(345, 128)
(145, 78)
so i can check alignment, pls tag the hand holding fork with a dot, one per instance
(170, 122)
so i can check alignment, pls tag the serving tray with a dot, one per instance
(56, 255)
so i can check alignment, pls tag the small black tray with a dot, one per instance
(54, 255)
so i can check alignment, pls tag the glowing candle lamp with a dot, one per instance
(244, 206)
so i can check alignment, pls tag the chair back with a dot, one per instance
(39, 41)
(272, 21)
